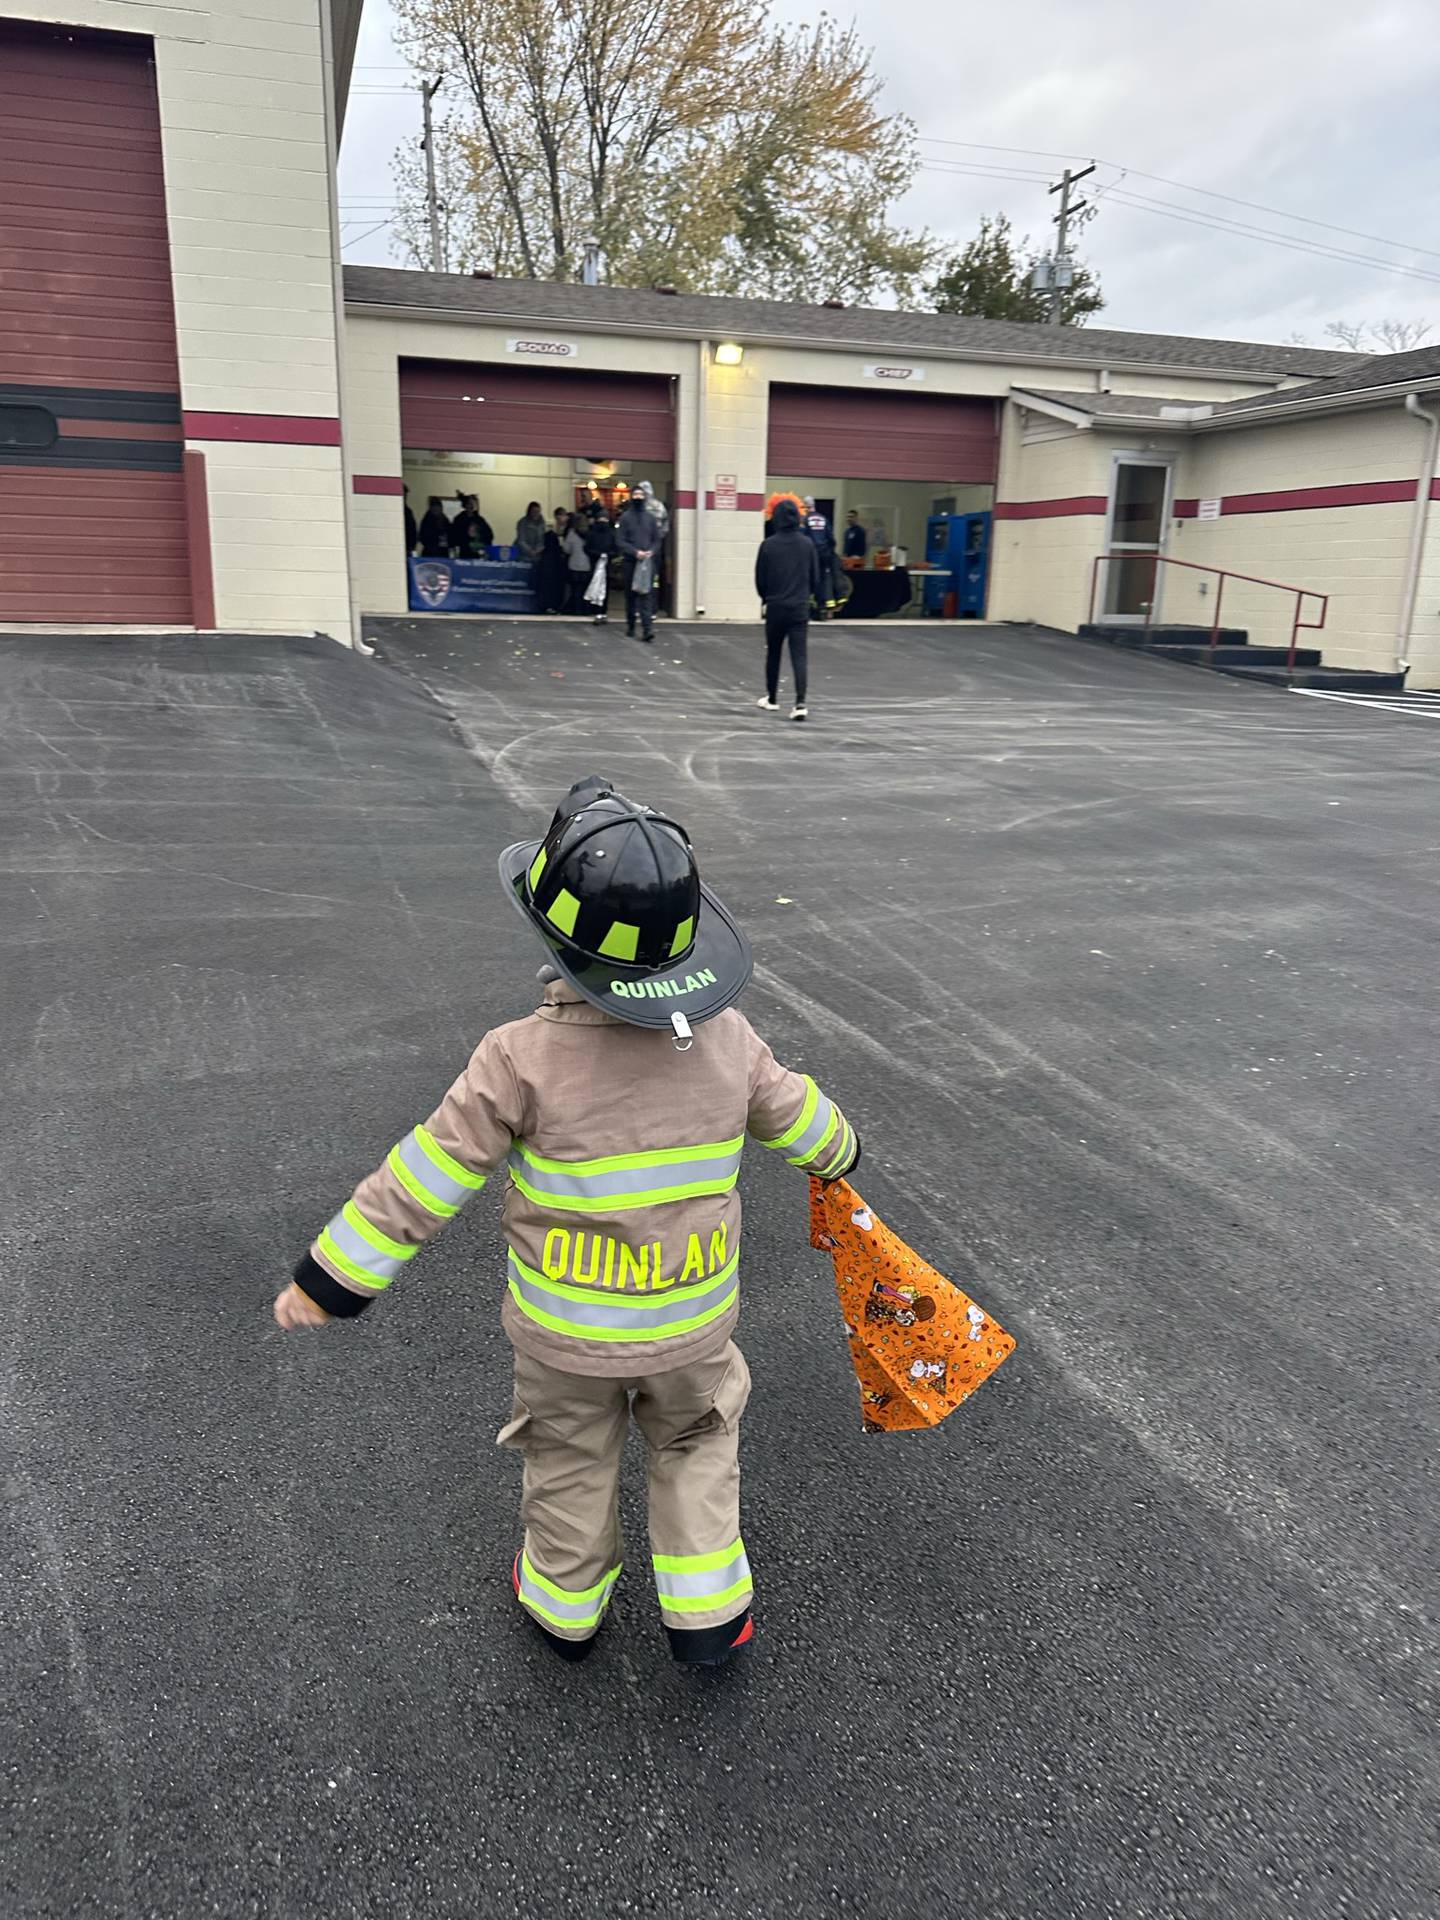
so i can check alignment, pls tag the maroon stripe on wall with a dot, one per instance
(744, 502)
(272, 429)
(197, 519)
(1049, 509)
(377, 483)
(1355, 493)
(684, 497)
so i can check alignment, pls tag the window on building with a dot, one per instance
(28, 428)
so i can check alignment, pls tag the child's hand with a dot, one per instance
(296, 1309)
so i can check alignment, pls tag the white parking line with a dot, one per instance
(1417, 705)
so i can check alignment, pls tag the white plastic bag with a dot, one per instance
(598, 590)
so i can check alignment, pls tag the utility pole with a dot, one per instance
(1061, 278)
(428, 91)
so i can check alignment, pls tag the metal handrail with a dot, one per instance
(1302, 594)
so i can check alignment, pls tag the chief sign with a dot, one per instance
(897, 376)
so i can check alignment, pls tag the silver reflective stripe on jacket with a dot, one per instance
(590, 1313)
(627, 1180)
(801, 1140)
(431, 1176)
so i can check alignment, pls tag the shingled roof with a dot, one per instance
(1117, 406)
(698, 316)
(1418, 367)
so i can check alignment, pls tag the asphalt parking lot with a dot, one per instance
(1126, 974)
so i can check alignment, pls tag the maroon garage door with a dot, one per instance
(850, 434)
(548, 410)
(92, 505)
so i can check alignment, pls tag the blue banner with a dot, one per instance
(472, 586)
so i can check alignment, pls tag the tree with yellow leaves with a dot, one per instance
(698, 144)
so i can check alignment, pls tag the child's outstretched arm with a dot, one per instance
(423, 1181)
(789, 1113)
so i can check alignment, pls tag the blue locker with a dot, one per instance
(961, 542)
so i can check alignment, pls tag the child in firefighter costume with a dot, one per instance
(619, 1110)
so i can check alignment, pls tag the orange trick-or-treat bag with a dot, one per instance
(918, 1344)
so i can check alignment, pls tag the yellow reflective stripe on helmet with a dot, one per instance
(622, 942)
(806, 1115)
(563, 911)
(684, 934)
(373, 1283)
(447, 1163)
(381, 1242)
(537, 867)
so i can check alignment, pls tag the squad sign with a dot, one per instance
(899, 375)
(544, 349)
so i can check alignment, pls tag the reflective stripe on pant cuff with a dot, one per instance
(571, 1612)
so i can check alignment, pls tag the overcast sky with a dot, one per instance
(1314, 108)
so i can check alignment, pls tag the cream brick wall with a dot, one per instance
(249, 193)
(1356, 554)
(1425, 632)
(1040, 569)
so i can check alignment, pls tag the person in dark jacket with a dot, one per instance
(530, 533)
(470, 532)
(856, 542)
(599, 551)
(435, 531)
(641, 536)
(552, 579)
(412, 532)
(787, 577)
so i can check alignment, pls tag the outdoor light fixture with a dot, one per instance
(729, 353)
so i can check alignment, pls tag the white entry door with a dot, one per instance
(1135, 528)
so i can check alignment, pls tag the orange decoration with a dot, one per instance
(776, 498)
(919, 1345)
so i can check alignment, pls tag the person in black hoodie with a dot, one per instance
(600, 547)
(787, 575)
(434, 531)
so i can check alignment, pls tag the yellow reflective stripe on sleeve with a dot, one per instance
(847, 1140)
(381, 1242)
(446, 1163)
(371, 1282)
(440, 1208)
(806, 1115)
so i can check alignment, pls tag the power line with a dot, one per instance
(356, 238)
(1192, 218)
(1183, 186)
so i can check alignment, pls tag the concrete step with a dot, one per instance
(1180, 636)
(1324, 679)
(1223, 656)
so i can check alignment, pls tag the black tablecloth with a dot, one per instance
(876, 592)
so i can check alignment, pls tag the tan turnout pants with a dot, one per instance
(571, 1430)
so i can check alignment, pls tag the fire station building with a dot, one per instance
(207, 423)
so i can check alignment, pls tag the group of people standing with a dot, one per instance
(570, 554)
